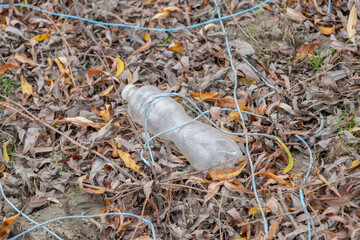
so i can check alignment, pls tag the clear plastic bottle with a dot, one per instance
(202, 145)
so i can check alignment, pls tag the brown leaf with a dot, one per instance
(90, 189)
(83, 122)
(228, 102)
(212, 190)
(351, 25)
(237, 186)
(24, 59)
(325, 30)
(144, 47)
(295, 15)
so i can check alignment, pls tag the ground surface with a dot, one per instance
(65, 131)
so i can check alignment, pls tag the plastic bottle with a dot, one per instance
(202, 145)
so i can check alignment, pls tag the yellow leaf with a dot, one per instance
(291, 160)
(5, 154)
(129, 162)
(39, 38)
(256, 209)
(226, 173)
(106, 91)
(354, 164)
(119, 67)
(326, 30)
(351, 25)
(26, 87)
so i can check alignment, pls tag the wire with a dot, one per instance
(135, 27)
(23, 214)
(89, 216)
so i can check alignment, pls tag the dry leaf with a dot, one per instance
(94, 72)
(89, 188)
(295, 15)
(351, 25)
(175, 47)
(24, 59)
(291, 160)
(39, 38)
(202, 96)
(83, 122)
(5, 154)
(212, 190)
(7, 66)
(256, 209)
(144, 47)
(129, 162)
(226, 173)
(106, 91)
(119, 67)
(26, 87)
(6, 224)
(354, 164)
(276, 178)
(325, 30)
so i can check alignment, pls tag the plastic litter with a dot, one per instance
(203, 146)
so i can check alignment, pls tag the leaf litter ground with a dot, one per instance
(70, 148)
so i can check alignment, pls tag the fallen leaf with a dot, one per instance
(325, 30)
(89, 188)
(26, 87)
(351, 25)
(226, 173)
(291, 160)
(228, 102)
(295, 15)
(237, 186)
(212, 190)
(5, 154)
(175, 47)
(94, 72)
(24, 59)
(235, 115)
(119, 67)
(354, 164)
(83, 122)
(256, 210)
(202, 96)
(106, 91)
(39, 38)
(129, 162)
(307, 49)
(144, 47)
(276, 178)
(273, 229)
(6, 224)
(7, 66)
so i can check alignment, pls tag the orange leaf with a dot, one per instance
(256, 209)
(94, 72)
(228, 102)
(39, 38)
(351, 25)
(175, 47)
(276, 178)
(6, 224)
(7, 66)
(146, 37)
(305, 49)
(226, 173)
(235, 115)
(202, 96)
(325, 30)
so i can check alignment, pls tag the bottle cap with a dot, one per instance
(127, 91)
